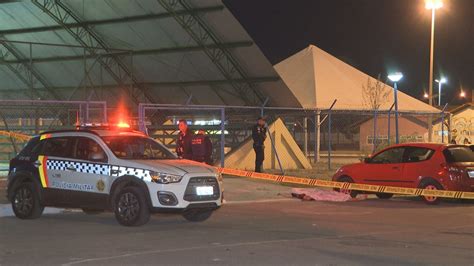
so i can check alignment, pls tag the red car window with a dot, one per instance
(417, 154)
(458, 154)
(393, 155)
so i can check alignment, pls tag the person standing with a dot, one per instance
(259, 134)
(201, 147)
(183, 143)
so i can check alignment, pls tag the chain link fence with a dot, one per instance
(21, 119)
(324, 136)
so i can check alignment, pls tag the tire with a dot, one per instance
(430, 184)
(92, 211)
(25, 202)
(384, 195)
(347, 179)
(197, 215)
(131, 208)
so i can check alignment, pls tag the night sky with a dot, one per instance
(375, 36)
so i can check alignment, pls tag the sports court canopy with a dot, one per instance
(158, 51)
(317, 78)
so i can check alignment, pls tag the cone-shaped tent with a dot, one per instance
(317, 78)
(291, 156)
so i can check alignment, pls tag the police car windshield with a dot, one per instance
(137, 148)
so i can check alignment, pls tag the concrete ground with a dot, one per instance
(260, 225)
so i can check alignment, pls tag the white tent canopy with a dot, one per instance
(317, 78)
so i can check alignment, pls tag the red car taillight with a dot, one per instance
(454, 172)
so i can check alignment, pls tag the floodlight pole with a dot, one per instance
(439, 93)
(388, 133)
(395, 94)
(430, 99)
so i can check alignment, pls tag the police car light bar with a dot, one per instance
(123, 125)
(104, 126)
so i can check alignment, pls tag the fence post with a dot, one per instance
(317, 136)
(222, 137)
(329, 139)
(389, 113)
(87, 111)
(305, 135)
(104, 106)
(141, 122)
(374, 139)
(79, 122)
(442, 127)
(388, 127)
(330, 133)
(449, 127)
(442, 122)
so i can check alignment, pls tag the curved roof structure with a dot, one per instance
(158, 51)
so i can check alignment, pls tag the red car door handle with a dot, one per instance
(395, 167)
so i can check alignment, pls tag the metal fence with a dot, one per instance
(20, 119)
(323, 135)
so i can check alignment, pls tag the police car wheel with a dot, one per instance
(131, 207)
(92, 211)
(26, 203)
(197, 215)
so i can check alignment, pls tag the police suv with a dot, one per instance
(109, 168)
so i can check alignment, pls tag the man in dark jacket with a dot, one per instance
(259, 134)
(201, 147)
(183, 143)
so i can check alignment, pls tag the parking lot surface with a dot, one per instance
(276, 232)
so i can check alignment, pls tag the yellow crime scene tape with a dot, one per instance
(348, 186)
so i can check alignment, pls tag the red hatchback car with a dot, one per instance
(414, 165)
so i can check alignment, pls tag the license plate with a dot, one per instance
(204, 191)
(471, 174)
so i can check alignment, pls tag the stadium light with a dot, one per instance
(395, 77)
(433, 4)
(441, 81)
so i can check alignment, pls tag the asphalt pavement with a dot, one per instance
(278, 231)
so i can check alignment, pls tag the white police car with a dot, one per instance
(108, 168)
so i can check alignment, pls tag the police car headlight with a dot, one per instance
(163, 178)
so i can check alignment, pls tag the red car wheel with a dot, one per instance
(347, 179)
(431, 185)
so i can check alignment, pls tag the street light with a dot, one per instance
(462, 94)
(441, 81)
(395, 77)
(425, 95)
(433, 5)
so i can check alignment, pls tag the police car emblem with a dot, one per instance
(100, 185)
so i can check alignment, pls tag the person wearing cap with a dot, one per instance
(259, 134)
(183, 143)
(201, 148)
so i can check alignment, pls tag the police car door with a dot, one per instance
(88, 173)
(52, 172)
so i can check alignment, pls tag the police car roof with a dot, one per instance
(99, 132)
